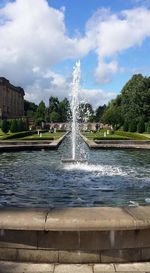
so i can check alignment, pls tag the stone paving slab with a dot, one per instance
(69, 268)
(13, 267)
(99, 268)
(136, 267)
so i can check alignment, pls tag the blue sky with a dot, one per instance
(134, 59)
(41, 40)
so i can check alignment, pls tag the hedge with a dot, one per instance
(19, 135)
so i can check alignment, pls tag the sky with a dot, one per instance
(41, 40)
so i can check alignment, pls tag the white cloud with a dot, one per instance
(105, 70)
(34, 37)
(96, 97)
(114, 33)
(56, 85)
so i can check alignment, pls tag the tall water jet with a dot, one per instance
(74, 107)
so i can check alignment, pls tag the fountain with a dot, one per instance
(74, 109)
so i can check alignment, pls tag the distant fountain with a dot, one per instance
(75, 88)
(74, 108)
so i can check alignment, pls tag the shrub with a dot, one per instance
(125, 126)
(19, 135)
(148, 127)
(21, 125)
(133, 126)
(5, 126)
(141, 126)
(14, 126)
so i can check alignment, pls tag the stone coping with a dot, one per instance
(75, 219)
(20, 267)
(31, 145)
(117, 144)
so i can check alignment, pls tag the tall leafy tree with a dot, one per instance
(53, 104)
(64, 110)
(136, 98)
(40, 113)
(55, 117)
(99, 113)
(86, 112)
(30, 108)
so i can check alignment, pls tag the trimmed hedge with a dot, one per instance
(19, 135)
(112, 138)
(38, 138)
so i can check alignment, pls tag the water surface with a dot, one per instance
(40, 179)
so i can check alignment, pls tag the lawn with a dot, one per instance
(117, 135)
(16, 137)
(45, 136)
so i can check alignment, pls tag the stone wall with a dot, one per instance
(11, 100)
(75, 235)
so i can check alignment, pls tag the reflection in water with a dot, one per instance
(40, 179)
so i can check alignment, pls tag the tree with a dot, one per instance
(113, 115)
(64, 110)
(30, 108)
(148, 127)
(125, 126)
(53, 104)
(14, 126)
(86, 113)
(21, 125)
(135, 98)
(141, 126)
(133, 126)
(99, 113)
(54, 117)
(5, 126)
(40, 113)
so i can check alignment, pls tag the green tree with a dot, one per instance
(125, 126)
(5, 126)
(64, 110)
(30, 108)
(55, 117)
(141, 126)
(135, 98)
(99, 113)
(133, 126)
(113, 115)
(14, 126)
(148, 127)
(86, 112)
(53, 104)
(40, 112)
(21, 125)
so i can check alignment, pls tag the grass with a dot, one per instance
(118, 135)
(45, 136)
(2, 135)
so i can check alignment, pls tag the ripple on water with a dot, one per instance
(39, 179)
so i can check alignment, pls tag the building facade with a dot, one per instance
(11, 100)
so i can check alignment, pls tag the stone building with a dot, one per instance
(11, 100)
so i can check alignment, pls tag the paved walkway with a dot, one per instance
(12, 267)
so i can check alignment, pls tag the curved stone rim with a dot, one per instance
(73, 219)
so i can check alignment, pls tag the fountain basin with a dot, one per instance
(75, 235)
